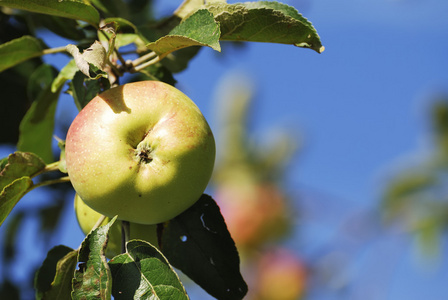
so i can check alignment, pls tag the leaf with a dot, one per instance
(112, 7)
(199, 29)
(264, 21)
(72, 9)
(93, 278)
(53, 279)
(19, 50)
(11, 194)
(144, 273)
(37, 126)
(92, 60)
(198, 243)
(20, 164)
(66, 73)
(84, 89)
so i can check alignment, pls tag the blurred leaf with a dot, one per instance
(11, 236)
(144, 273)
(263, 21)
(9, 291)
(199, 29)
(19, 50)
(37, 126)
(178, 60)
(93, 279)
(11, 194)
(398, 195)
(72, 9)
(20, 164)
(198, 243)
(66, 73)
(50, 215)
(53, 279)
(112, 8)
(69, 29)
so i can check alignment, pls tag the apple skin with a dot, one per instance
(87, 219)
(142, 151)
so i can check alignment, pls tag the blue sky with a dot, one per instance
(359, 108)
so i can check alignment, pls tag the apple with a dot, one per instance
(281, 275)
(87, 218)
(142, 151)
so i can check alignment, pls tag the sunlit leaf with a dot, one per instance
(19, 50)
(144, 273)
(93, 278)
(11, 194)
(199, 29)
(20, 164)
(198, 243)
(66, 73)
(265, 21)
(91, 61)
(73, 9)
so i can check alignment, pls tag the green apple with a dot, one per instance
(142, 151)
(87, 219)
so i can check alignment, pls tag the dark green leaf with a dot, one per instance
(20, 164)
(112, 8)
(84, 89)
(36, 128)
(9, 291)
(19, 50)
(73, 9)
(198, 243)
(265, 21)
(199, 29)
(11, 194)
(178, 61)
(144, 273)
(53, 279)
(93, 278)
(69, 29)
(11, 236)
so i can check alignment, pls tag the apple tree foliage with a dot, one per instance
(100, 34)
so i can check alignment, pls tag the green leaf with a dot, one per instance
(198, 243)
(20, 164)
(53, 279)
(37, 126)
(72, 9)
(19, 50)
(199, 29)
(11, 194)
(66, 73)
(84, 89)
(93, 278)
(112, 8)
(264, 21)
(144, 273)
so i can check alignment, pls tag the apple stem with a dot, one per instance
(125, 232)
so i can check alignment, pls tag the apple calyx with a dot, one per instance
(143, 153)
